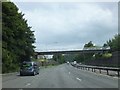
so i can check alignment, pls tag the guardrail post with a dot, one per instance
(107, 72)
(92, 69)
(88, 68)
(100, 70)
(118, 73)
(80, 67)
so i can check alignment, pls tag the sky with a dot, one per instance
(70, 25)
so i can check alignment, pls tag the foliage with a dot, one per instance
(79, 58)
(69, 57)
(85, 56)
(59, 58)
(17, 38)
(89, 44)
(114, 43)
(88, 56)
(107, 55)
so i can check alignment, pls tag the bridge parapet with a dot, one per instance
(96, 48)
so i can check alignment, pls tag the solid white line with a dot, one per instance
(9, 73)
(79, 79)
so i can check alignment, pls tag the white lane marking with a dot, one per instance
(79, 79)
(116, 77)
(20, 89)
(28, 84)
(69, 72)
(9, 73)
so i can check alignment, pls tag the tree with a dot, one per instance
(105, 45)
(79, 58)
(89, 44)
(90, 55)
(59, 58)
(114, 43)
(17, 38)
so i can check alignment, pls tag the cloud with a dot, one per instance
(71, 25)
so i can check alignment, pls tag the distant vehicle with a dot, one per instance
(29, 68)
(67, 62)
(75, 62)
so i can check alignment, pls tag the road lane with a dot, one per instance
(93, 80)
(61, 76)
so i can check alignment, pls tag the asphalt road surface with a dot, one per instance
(61, 76)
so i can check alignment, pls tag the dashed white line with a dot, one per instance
(116, 77)
(28, 84)
(79, 79)
(20, 89)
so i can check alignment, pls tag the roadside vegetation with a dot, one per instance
(93, 57)
(17, 38)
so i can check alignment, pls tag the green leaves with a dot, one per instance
(89, 44)
(114, 43)
(59, 58)
(16, 36)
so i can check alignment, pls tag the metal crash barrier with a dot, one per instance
(94, 68)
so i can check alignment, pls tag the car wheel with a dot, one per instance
(37, 72)
(34, 73)
(21, 74)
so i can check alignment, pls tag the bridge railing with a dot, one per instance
(96, 48)
(94, 68)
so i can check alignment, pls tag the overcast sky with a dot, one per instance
(66, 26)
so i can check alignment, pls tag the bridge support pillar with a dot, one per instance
(36, 56)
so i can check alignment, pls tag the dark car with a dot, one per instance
(29, 68)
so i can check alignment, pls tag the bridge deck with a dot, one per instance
(72, 51)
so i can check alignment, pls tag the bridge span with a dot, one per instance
(72, 51)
